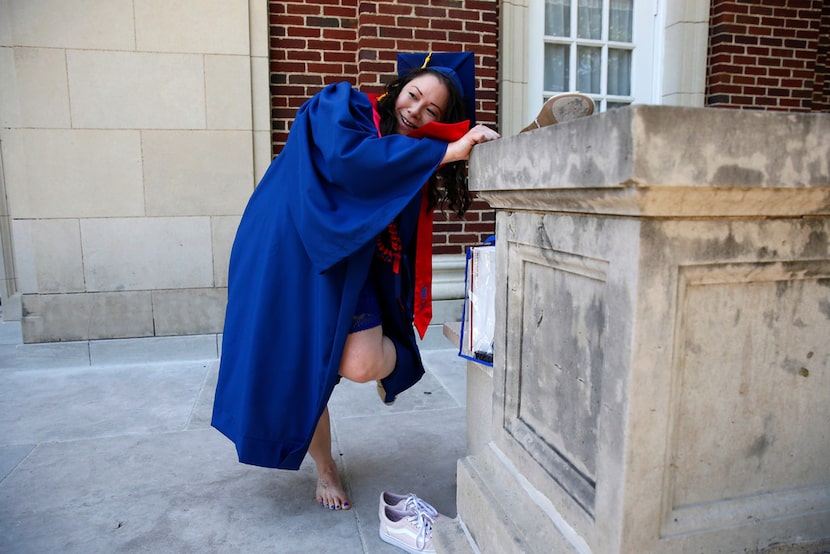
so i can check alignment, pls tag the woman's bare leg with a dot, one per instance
(368, 356)
(330, 492)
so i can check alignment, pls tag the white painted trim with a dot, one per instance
(647, 32)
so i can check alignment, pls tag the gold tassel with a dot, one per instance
(426, 61)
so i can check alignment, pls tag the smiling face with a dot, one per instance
(423, 99)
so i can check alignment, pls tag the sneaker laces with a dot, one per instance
(418, 505)
(424, 523)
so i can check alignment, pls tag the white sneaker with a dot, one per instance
(409, 503)
(409, 531)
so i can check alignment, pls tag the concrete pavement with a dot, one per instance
(106, 446)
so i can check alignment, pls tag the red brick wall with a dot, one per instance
(769, 55)
(317, 42)
(821, 84)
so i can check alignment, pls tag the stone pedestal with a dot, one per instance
(662, 367)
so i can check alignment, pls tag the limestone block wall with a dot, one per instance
(133, 132)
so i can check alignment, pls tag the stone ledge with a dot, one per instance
(663, 161)
(507, 522)
(448, 537)
(83, 316)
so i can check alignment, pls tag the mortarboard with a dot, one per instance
(458, 66)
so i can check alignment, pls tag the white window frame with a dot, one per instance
(679, 50)
(643, 66)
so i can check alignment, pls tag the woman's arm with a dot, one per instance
(460, 149)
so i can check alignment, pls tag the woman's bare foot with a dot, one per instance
(330, 493)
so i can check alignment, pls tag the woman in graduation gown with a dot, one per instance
(322, 280)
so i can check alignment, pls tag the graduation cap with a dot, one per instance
(458, 66)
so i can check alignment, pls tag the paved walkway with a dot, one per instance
(106, 446)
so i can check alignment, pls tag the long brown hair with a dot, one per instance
(448, 185)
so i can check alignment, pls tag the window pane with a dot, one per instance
(589, 19)
(557, 67)
(619, 72)
(620, 20)
(615, 105)
(588, 69)
(558, 18)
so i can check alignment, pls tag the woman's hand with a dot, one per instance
(460, 149)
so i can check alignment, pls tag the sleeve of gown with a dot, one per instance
(350, 182)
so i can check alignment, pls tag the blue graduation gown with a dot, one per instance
(301, 255)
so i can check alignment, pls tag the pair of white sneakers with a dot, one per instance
(406, 521)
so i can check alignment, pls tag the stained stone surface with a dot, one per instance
(662, 373)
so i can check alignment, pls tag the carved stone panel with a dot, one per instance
(554, 371)
(754, 336)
